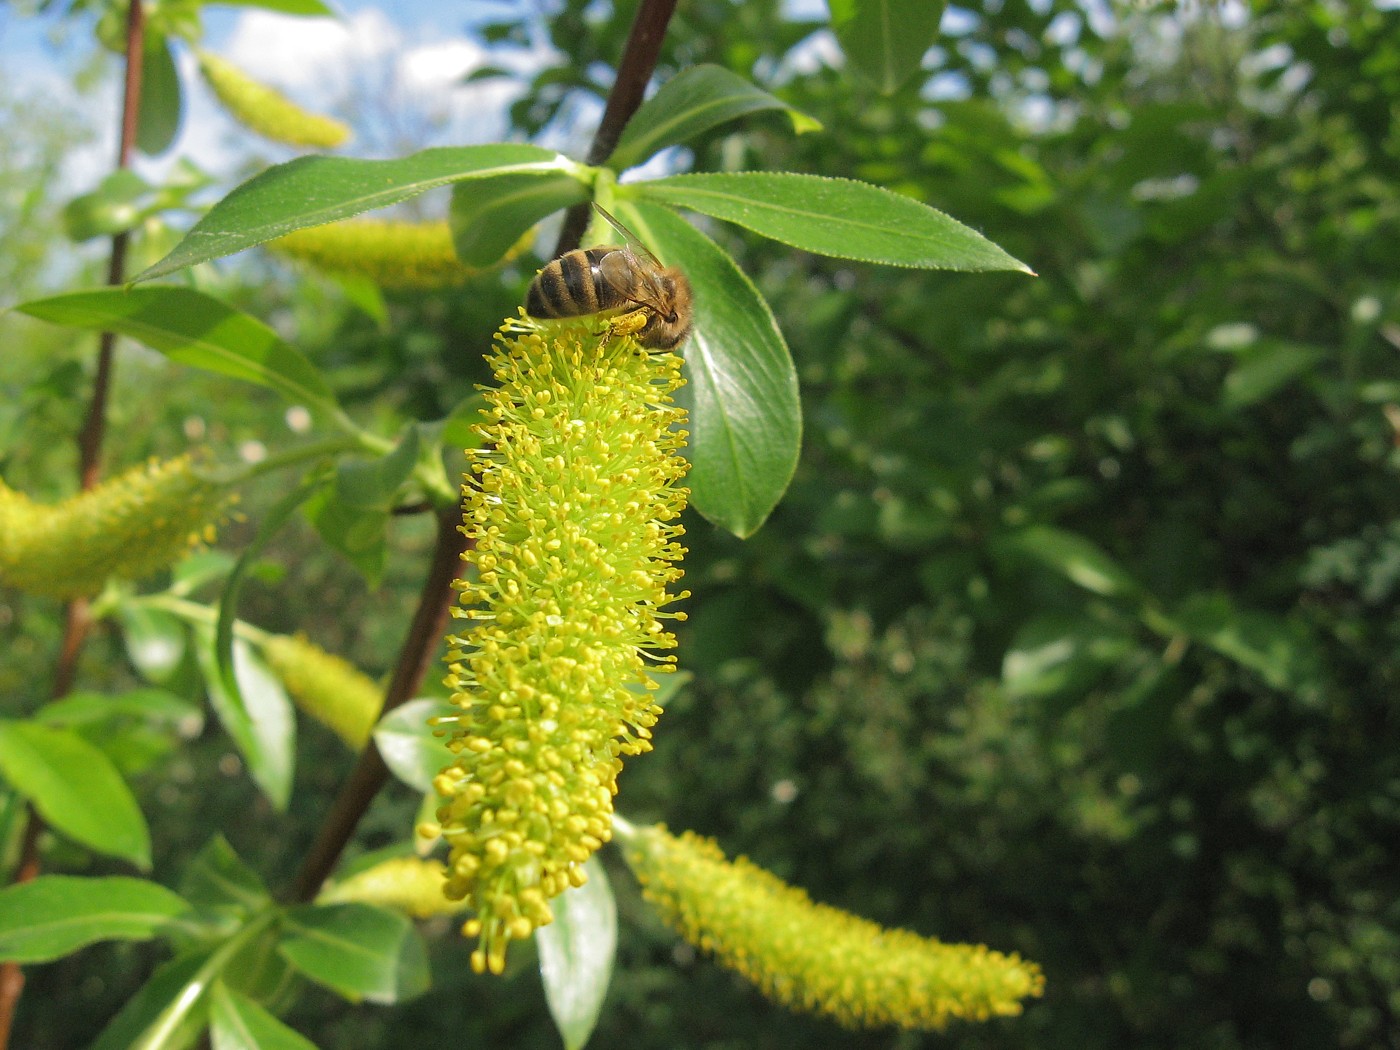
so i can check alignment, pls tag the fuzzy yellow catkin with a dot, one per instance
(394, 255)
(326, 687)
(127, 527)
(268, 112)
(816, 958)
(407, 884)
(571, 507)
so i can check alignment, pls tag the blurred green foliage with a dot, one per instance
(1077, 632)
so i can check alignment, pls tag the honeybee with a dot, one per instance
(595, 280)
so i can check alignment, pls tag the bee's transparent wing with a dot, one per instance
(640, 250)
(632, 270)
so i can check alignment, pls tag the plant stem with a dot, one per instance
(76, 617)
(633, 74)
(417, 655)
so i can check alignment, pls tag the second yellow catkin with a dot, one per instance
(128, 527)
(266, 111)
(392, 254)
(411, 885)
(816, 958)
(326, 687)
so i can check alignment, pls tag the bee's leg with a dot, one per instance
(627, 324)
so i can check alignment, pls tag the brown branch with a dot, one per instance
(76, 617)
(633, 74)
(417, 655)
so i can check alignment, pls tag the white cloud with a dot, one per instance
(403, 90)
(309, 54)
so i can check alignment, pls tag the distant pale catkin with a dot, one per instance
(407, 884)
(268, 112)
(326, 687)
(128, 527)
(815, 958)
(571, 507)
(412, 255)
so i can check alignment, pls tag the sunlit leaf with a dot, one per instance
(358, 951)
(690, 103)
(55, 915)
(311, 191)
(840, 217)
(741, 387)
(885, 40)
(576, 955)
(75, 788)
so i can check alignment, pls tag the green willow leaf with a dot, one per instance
(257, 715)
(218, 879)
(741, 387)
(311, 191)
(129, 1029)
(408, 746)
(162, 102)
(194, 329)
(75, 788)
(839, 217)
(1077, 559)
(238, 1023)
(690, 103)
(885, 40)
(358, 951)
(55, 915)
(576, 955)
(154, 641)
(489, 216)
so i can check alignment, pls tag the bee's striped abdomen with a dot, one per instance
(570, 286)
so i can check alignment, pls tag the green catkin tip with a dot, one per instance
(266, 111)
(816, 958)
(326, 687)
(395, 255)
(572, 507)
(128, 527)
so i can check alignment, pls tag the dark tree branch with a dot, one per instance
(417, 655)
(633, 74)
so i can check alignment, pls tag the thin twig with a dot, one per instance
(417, 655)
(76, 616)
(633, 74)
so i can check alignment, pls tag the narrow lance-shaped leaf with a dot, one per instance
(310, 191)
(357, 950)
(1073, 556)
(489, 216)
(55, 915)
(691, 103)
(408, 745)
(238, 1023)
(839, 217)
(219, 879)
(257, 715)
(194, 329)
(741, 387)
(885, 40)
(162, 102)
(170, 985)
(75, 787)
(576, 955)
